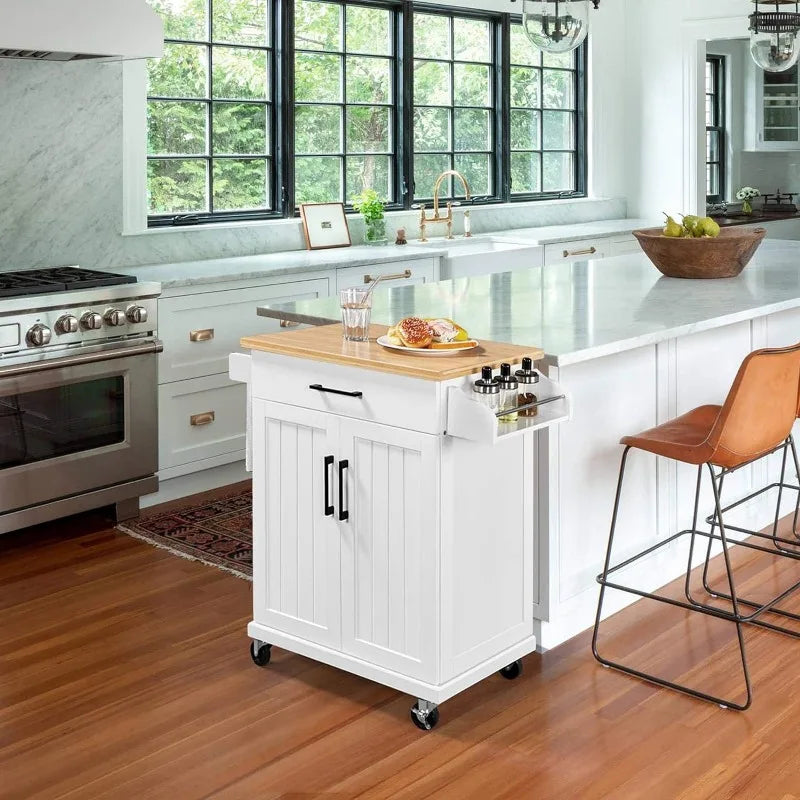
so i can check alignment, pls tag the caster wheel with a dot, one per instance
(260, 653)
(512, 671)
(424, 721)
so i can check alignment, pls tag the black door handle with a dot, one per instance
(328, 506)
(318, 387)
(344, 514)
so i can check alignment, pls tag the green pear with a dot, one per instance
(708, 227)
(672, 229)
(690, 224)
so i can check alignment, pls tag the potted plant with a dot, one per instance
(371, 207)
(747, 194)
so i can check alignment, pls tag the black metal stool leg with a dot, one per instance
(607, 562)
(732, 586)
(797, 472)
(780, 498)
(687, 585)
(714, 521)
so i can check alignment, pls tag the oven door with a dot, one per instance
(77, 423)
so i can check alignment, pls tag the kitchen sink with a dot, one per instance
(481, 256)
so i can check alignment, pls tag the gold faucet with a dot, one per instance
(425, 220)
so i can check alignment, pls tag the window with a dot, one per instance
(454, 102)
(260, 105)
(210, 110)
(715, 129)
(545, 126)
(344, 95)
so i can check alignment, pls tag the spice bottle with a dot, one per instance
(509, 389)
(527, 376)
(487, 390)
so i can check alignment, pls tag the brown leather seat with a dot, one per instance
(757, 416)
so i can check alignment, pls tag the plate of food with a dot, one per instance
(427, 337)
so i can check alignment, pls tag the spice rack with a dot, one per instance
(469, 419)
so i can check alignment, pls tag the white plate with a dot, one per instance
(383, 341)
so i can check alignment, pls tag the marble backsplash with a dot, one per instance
(61, 198)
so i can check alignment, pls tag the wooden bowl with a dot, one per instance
(723, 257)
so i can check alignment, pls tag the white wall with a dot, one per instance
(666, 40)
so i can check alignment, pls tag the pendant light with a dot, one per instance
(774, 41)
(556, 26)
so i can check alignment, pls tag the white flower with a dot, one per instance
(747, 193)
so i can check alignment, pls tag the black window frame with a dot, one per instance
(396, 107)
(581, 94)
(282, 100)
(495, 21)
(275, 155)
(717, 94)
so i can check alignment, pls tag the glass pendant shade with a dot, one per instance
(775, 52)
(556, 26)
(774, 40)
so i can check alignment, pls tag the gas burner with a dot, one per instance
(780, 202)
(57, 279)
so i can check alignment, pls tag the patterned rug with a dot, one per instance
(218, 533)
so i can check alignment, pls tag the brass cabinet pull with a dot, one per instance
(588, 252)
(206, 418)
(205, 335)
(400, 276)
(288, 323)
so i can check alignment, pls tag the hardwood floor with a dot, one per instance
(124, 673)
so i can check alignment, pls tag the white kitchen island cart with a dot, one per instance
(394, 517)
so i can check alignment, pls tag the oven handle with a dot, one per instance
(85, 358)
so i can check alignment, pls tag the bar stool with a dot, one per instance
(755, 421)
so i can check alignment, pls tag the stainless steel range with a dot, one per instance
(78, 393)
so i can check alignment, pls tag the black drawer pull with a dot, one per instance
(318, 387)
(344, 514)
(328, 506)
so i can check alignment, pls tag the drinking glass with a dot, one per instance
(356, 306)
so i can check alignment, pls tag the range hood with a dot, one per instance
(71, 30)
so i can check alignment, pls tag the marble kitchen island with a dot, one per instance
(633, 349)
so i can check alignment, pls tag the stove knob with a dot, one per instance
(136, 314)
(114, 317)
(91, 321)
(39, 336)
(66, 324)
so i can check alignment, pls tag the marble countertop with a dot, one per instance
(579, 232)
(244, 268)
(587, 309)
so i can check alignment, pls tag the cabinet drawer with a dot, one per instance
(624, 245)
(407, 273)
(200, 418)
(199, 331)
(388, 399)
(581, 250)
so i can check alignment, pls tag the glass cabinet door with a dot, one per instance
(781, 120)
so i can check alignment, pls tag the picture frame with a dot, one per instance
(325, 226)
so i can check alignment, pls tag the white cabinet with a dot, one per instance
(199, 331)
(348, 556)
(296, 587)
(580, 250)
(396, 273)
(389, 547)
(404, 554)
(774, 97)
(200, 424)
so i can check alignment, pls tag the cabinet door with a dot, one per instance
(398, 273)
(200, 330)
(390, 587)
(295, 538)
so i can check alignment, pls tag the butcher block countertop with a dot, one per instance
(325, 343)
